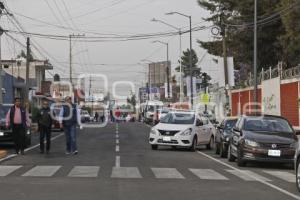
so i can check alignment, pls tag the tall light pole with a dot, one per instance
(191, 48)
(180, 53)
(255, 54)
(168, 66)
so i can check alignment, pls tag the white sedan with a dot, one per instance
(182, 129)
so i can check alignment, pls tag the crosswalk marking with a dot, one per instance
(167, 173)
(126, 172)
(42, 171)
(6, 170)
(256, 176)
(159, 173)
(241, 175)
(208, 174)
(286, 176)
(84, 171)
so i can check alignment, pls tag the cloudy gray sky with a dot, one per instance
(118, 60)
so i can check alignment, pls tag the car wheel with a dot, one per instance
(211, 143)
(298, 175)
(194, 145)
(217, 148)
(154, 147)
(230, 157)
(223, 153)
(240, 161)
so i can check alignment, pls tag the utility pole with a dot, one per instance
(70, 37)
(27, 67)
(70, 40)
(3, 11)
(168, 73)
(191, 63)
(255, 54)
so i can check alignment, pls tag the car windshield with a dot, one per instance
(267, 124)
(178, 118)
(230, 124)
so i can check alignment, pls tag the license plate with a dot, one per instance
(1, 134)
(274, 153)
(167, 139)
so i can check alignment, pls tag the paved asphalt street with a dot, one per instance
(117, 163)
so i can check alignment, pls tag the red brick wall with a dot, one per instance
(289, 102)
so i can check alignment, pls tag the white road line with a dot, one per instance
(6, 170)
(117, 136)
(84, 171)
(117, 148)
(257, 179)
(126, 172)
(208, 174)
(37, 145)
(118, 162)
(241, 175)
(167, 173)
(28, 149)
(42, 171)
(117, 141)
(286, 176)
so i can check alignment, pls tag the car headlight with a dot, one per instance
(153, 131)
(28, 132)
(186, 132)
(251, 143)
(227, 139)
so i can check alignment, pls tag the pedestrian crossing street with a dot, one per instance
(157, 173)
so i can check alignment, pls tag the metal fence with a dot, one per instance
(273, 73)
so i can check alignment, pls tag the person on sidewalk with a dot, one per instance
(17, 118)
(45, 124)
(69, 118)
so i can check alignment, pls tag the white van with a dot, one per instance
(151, 108)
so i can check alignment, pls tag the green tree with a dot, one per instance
(290, 40)
(237, 17)
(185, 62)
(132, 101)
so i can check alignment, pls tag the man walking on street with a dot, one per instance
(17, 119)
(69, 118)
(45, 123)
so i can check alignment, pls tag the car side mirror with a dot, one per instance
(237, 130)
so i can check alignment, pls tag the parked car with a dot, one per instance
(6, 133)
(264, 138)
(182, 129)
(223, 134)
(85, 116)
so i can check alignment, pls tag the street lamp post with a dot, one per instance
(168, 67)
(180, 53)
(191, 58)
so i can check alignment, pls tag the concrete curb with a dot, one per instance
(3, 154)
